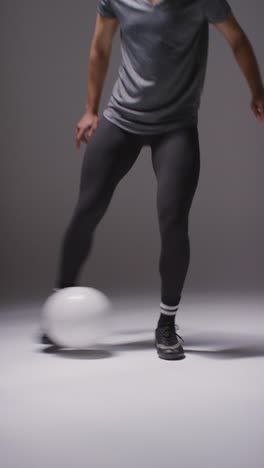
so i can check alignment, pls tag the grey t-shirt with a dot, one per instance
(164, 49)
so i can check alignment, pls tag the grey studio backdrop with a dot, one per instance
(44, 50)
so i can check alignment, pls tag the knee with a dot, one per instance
(173, 218)
(92, 205)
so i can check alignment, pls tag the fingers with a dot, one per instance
(80, 135)
(85, 128)
(259, 114)
(88, 134)
(258, 109)
(77, 137)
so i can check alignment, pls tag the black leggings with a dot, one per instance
(108, 156)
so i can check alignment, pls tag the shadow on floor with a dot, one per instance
(77, 353)
(219, 345)
(224, 345)
(100, 352)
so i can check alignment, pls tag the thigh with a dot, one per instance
(176, 163)
(108, 156)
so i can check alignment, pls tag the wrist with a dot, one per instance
(91, 109)
(258, 91)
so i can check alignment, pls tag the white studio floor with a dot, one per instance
(120, 406)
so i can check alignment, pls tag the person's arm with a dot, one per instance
(100, 51)
(246, 59)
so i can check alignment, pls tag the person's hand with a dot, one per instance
(85, 128)
(257, 105)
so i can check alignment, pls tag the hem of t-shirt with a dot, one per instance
(105, 13)
(150, 130)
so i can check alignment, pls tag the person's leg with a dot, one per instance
(176, 163)
(108, 156)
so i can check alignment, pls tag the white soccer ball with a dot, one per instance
(76, 317)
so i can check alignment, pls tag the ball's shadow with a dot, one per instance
(100, 352)
(73, 353)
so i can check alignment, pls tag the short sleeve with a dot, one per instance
(216, 11)
(104, 8)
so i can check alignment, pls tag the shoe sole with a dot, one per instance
(170, 356)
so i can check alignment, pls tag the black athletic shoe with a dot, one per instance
(167, 344)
